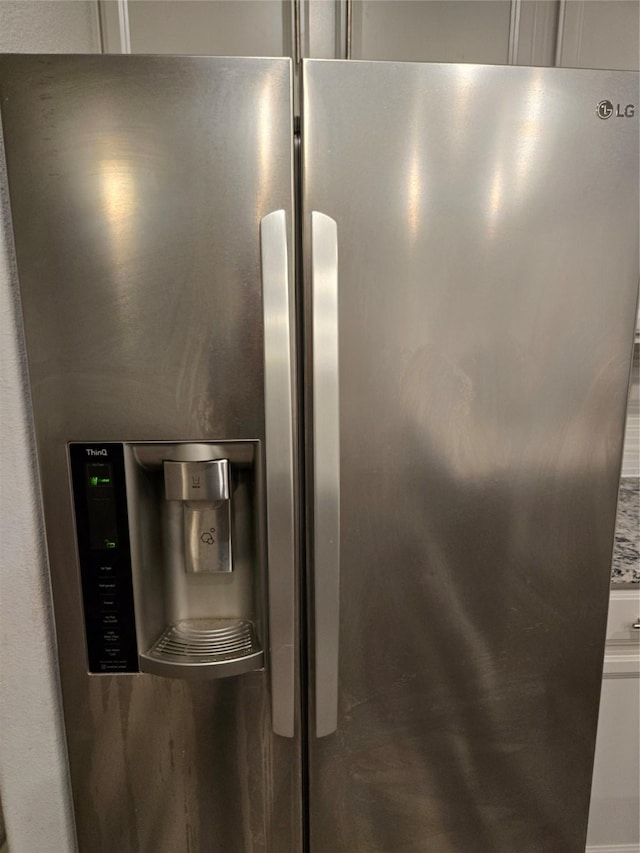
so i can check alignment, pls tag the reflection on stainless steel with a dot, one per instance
(531, 131)
(483, 372)
(137, 184)
(120, 204)
(496, 199)
(415, 186)
(514, 160)
(462, 92)
(266, 152)
(118, 190)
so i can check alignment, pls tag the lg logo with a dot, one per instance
(606, 109)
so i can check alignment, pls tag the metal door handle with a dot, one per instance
(326, 469)
(279, 469)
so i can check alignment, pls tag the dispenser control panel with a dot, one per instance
(102, 530)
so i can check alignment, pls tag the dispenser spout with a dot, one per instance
(205, 492)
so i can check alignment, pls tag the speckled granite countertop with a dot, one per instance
(626, 553)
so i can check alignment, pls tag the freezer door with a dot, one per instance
(472, 244)
(151, 201)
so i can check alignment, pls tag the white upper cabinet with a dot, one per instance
(437, 31)
(570, 33)
(600, 34)
(220, 28)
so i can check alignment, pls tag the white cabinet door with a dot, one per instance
(614, 817)
(221, 28)
(600, 34)
(518, 32)
(438, 31)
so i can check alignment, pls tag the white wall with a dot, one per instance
(49, 26)
(33, 766)
(34, 782)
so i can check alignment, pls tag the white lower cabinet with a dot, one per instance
(614, 818)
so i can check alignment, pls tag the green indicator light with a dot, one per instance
(110, 543)
(99, 475)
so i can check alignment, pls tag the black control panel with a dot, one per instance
(102, 529)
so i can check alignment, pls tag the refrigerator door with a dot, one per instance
(479, 226)
(152, 210)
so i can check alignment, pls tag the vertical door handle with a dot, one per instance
(326, 469)
(279, 469)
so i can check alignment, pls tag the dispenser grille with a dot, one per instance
(206, 641)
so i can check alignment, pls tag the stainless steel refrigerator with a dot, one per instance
(329, 438)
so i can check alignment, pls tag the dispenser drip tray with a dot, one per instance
(204, 648)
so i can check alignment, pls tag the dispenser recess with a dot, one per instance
(197, 558)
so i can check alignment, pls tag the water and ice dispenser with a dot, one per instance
(171, 556)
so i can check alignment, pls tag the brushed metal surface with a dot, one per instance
(197, 481)
(205, 495)
(206, 530)
(204, 648)
(488, 224)
(326, 469)
(280, 489)
(137, 188)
